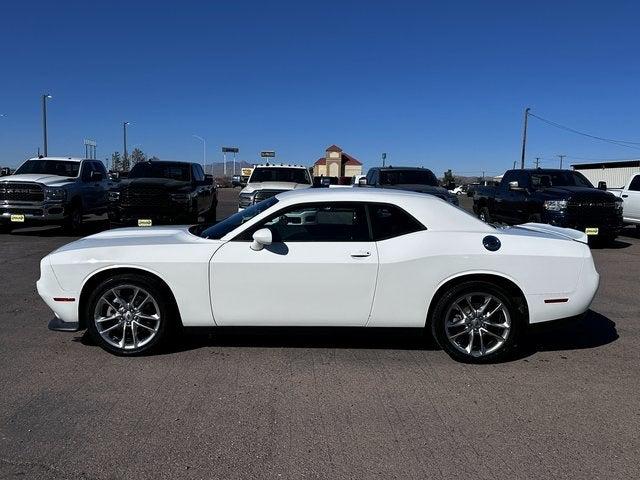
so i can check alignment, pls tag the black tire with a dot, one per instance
(167, 312)
(73, 222)
(458, 347)
(484, 215)
(210, 215)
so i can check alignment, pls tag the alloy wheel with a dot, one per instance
(127, 317)
(477, 324)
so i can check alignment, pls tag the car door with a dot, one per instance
(320, 270)
(631, 197)
(88, 188)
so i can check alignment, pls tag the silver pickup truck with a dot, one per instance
(54, 190)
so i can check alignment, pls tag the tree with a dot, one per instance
(116, 162)
(137, 156)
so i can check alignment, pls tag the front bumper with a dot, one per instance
(34, 212)
(175, 213)
(63, 303)
(608, 225)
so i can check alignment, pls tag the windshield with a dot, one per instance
(408, 177)
(559, 178)
(219, 230)
(173, 171)
(280, 174)
(50, 167)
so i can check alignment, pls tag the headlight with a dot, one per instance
(245, 200)
(555, 205)
(114, 196)
(55, 194)
(180, 197)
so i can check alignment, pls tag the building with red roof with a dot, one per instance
(336, 163)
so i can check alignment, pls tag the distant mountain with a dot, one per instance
(217, 168)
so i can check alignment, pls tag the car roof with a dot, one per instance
(390, 169)
(280, 165)
(354, 194)
(66, 159)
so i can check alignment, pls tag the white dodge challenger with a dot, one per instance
(324, 257)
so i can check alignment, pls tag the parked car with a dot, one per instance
(460, 190)
(558, 197)
(239, 181)
(54, 190)
(159, 192)
(5, 171)
(413, 179)
(269, 180)
(396, 259)
(630, 195)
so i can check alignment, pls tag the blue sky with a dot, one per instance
(439, 84)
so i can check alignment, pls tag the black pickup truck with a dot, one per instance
(564, 198)
(159, 192)
(413, 179)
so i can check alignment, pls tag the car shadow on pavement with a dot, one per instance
(594, 330)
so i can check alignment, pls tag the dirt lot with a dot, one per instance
(317, 404)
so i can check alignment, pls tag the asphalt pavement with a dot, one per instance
(292, 403)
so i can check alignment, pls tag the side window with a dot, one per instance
(388, 221)
(99, 166)
(635, 184)
(327, 222)
(198, 174)
(87, 168)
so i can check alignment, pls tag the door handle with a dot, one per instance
(625, 196)
(361, 254)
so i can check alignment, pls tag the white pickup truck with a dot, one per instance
(630, 194)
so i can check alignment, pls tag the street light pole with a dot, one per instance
(125, 162)
(561, 158)
(44, 122)
(204, 152)
(524, 136)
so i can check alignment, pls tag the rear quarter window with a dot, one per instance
(389, 221)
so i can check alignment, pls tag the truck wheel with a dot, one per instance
(210, 215)
(477, 322)
(73, 223)
(484, 215)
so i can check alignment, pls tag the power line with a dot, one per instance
(620, 143)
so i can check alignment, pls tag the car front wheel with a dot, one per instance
(477, 322)
(129, 314)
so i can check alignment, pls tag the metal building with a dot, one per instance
(616, 174)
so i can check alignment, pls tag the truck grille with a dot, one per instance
(264, 194)
(592, 211)
(21, 192)
(144, 196)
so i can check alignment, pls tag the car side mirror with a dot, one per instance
(96, 176)
(515, 187)
(362, 181)
(261, 238)
(602, 185)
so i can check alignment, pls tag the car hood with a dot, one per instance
(167, 183)
(577, 193)
(140, 237)
(252, 187)
(48, 180)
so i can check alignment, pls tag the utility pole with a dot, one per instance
(125, 162)
(524, 136)
(514, 164)
(44, 122)
(561, 158)
(537, 162)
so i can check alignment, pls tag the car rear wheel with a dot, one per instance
(477, 322)
(129, 314)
